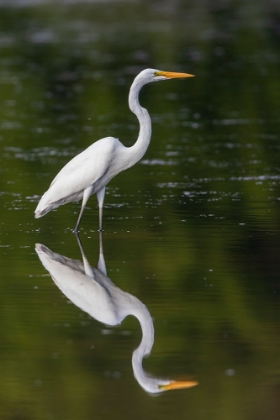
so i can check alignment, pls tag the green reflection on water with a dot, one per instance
(197, 223)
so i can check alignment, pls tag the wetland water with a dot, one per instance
(192, 231)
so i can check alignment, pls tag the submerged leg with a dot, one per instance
(88, 269)
(101, 261)
(100, 197)
(87, 194)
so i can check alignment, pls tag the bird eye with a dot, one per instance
(156, 73)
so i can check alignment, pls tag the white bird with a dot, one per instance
(91, 290)
(90, 171)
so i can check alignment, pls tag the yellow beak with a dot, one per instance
(178, 385)
(173, 75)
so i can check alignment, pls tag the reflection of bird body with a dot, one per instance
(90, 171)
(92, 291)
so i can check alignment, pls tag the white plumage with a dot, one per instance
(90, 171)
(94, 166)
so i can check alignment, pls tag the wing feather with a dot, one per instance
(84, 170)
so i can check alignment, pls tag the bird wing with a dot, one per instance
(92, 167)
(88, 166)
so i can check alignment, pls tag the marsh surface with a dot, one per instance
(192, 231)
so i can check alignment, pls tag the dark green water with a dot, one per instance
(192, 231)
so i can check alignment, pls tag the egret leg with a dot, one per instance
(100, 197)
(87, 194)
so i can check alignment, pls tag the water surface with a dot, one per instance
(192, 231)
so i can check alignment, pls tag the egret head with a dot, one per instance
(154, 75)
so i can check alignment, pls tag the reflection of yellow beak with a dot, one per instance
(178, 385)
(173, 75)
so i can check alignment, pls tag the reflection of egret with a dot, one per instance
(92, 291)
(90, 171)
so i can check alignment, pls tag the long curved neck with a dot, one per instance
(137, 151)
(145, 347)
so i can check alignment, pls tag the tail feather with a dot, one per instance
(47, 203)
(44, 206)
(42, 212)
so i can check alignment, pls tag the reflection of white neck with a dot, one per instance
(145, 347)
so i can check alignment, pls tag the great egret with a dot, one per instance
(90, 171)
(91, 290)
